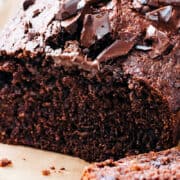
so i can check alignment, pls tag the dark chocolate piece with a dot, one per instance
(160, 41)
(120, 47)
(138, 4)
(95, 27)
(71, 24)
(69, 8)
(162, 14)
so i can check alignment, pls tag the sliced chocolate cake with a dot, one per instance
(154, 165)
(93, 79)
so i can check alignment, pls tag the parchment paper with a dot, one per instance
(28, 164)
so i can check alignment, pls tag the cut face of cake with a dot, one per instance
(93, 79)
(150, 166)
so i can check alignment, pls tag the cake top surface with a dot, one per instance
(161, 165)
(141, 35)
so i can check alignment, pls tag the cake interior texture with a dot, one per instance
(70, 87)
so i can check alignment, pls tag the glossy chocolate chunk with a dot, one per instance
(71, 24)
(160, 41)
(27, 4)
(162, 14)
(72, 55)
(69, 8)
(138, 4)
(120, 47)
(95, 27)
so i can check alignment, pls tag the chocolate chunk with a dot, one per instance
(118, 48)
(27, 4)
(69, 8)
(160, 41)
(95, 27)
(70, 25)
(72, 55)
(162, 14)
(138, 4)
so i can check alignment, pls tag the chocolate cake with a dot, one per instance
(95, 79)
(150, 166)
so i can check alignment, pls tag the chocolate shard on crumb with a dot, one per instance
(68, 8)
(162, 14)
(160, 41)
(138, 4)
(72, 55)
(71, 24)
(95, 27)
(120, 47)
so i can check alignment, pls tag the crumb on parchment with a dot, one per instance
(5, 162)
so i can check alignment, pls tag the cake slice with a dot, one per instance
(150, 166)
(93, 79)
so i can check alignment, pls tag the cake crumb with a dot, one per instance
(5, 162)
(46, 172)
(62, 169)
(52, 168)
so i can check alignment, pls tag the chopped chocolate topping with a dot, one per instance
(138, 4)
(5, 162)
(118, 48)
(27, 4)
(95, 27)
(160, 41)
(69, 8)
(70, 25)
(72, 55)
(162, 14)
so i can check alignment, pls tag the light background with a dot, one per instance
(7, 9)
